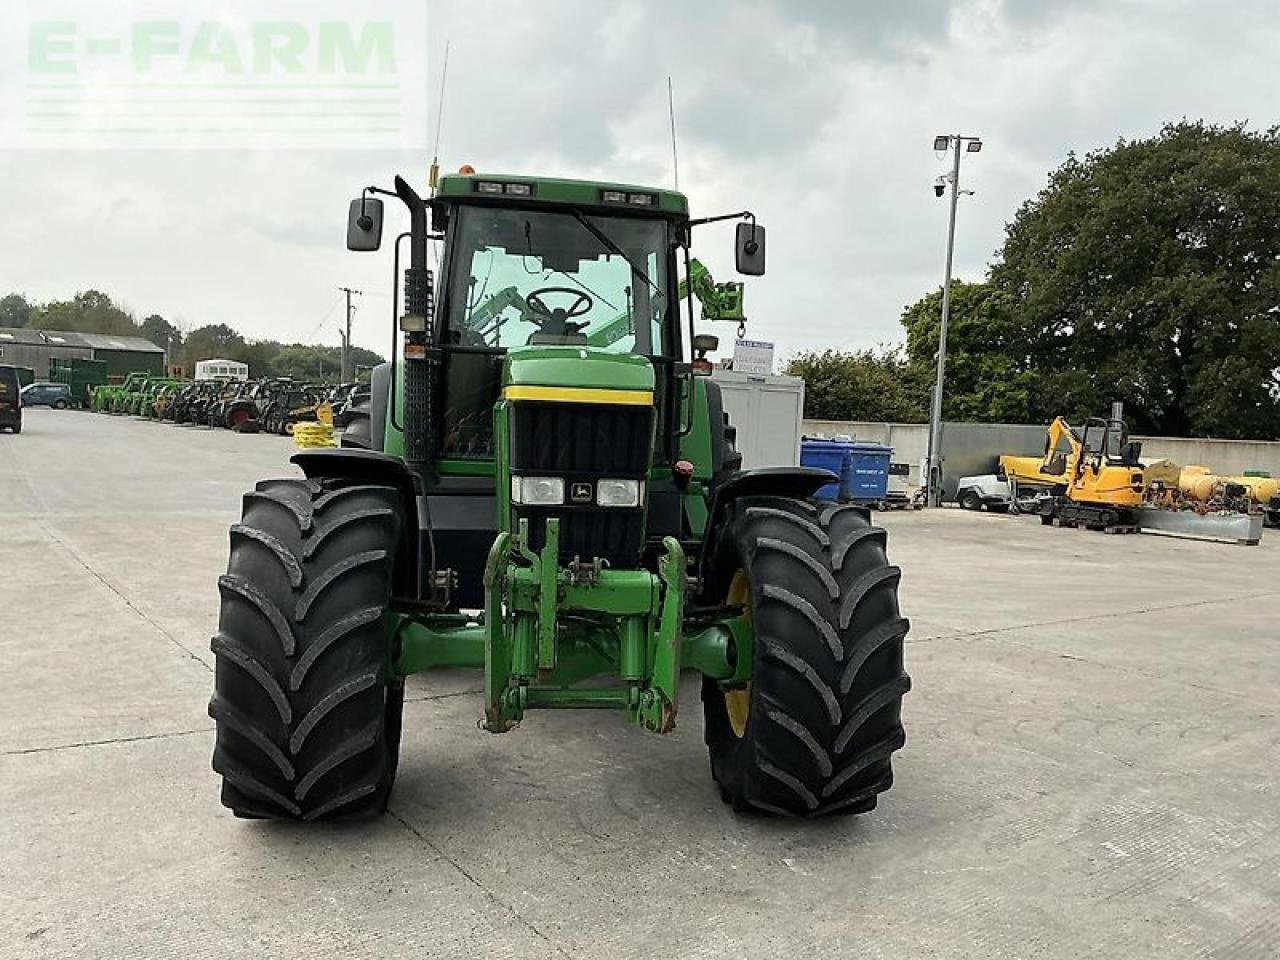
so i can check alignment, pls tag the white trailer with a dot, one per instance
(221, 370)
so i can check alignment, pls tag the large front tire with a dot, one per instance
(815, 730)
(308, 718)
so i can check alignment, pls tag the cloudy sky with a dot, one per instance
(817, 114)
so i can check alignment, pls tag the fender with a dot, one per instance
(373, 466)
(796, 482)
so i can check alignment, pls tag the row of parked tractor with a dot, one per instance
(274, 405)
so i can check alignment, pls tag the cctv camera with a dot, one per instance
(939, 186)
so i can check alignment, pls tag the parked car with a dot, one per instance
(56, 395)
(10, 400)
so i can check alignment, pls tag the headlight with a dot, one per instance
(618, 493)
(537, 491)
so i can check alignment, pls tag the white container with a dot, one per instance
(768, 412)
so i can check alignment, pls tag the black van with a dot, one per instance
(10, 400)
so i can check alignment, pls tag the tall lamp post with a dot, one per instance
(954, 142)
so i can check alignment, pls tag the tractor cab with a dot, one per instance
(553, 266)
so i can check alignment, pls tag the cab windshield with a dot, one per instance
(544, 278)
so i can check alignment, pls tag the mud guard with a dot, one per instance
(373, 466)
(798, 482)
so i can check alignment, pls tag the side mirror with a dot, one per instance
(364, 224)
(749, 249)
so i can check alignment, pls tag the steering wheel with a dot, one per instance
(556, 320)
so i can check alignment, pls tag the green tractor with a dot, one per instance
(550, 495)
(107, 397)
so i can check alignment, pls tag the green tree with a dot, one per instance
(260, 355)
(362, 361)
(861, 385)
(214, 341)
(992, 375)
(162, 333)
(1150, 273)
(90, 311)
(303, 362)
(15, 311)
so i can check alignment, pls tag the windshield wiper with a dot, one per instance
(612, 247)
(528, 240)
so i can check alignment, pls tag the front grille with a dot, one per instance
(583, 442)
(560, 439)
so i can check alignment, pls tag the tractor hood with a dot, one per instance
(576, 368)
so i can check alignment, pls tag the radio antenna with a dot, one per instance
(435, 152)
(671, 108)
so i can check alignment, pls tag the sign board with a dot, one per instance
(753, 356)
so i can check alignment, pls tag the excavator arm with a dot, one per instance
(1062, 452)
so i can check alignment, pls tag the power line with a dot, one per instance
(323, 320)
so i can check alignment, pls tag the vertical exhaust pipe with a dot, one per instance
(417, 325)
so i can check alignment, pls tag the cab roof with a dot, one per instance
(550, 190)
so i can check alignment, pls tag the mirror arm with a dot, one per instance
(744, 215)
(751, 245)
(365, 221)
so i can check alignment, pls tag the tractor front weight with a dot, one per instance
(548, 628)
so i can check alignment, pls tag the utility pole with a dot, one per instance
(346, 336)
(933, 483)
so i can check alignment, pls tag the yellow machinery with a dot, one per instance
(1093, 477)
(1201, 485)
(1105, 480)
(1049, 473)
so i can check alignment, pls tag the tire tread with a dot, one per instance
(828, 682)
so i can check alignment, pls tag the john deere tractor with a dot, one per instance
(550, 496)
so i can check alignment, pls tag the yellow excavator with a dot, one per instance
(1092, 477)
(1046, 474)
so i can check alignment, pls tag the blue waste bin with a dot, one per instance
(830, 455)
(865, 478)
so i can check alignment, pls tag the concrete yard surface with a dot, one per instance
(1092, 766)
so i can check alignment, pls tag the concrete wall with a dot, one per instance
(1222, 456)
(969, 448)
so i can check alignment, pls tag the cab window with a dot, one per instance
(544, 278)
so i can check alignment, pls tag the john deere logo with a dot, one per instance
(580, 493)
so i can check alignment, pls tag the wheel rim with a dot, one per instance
(288, 428)
(737, 702)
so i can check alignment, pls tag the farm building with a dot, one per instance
(26, 347)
